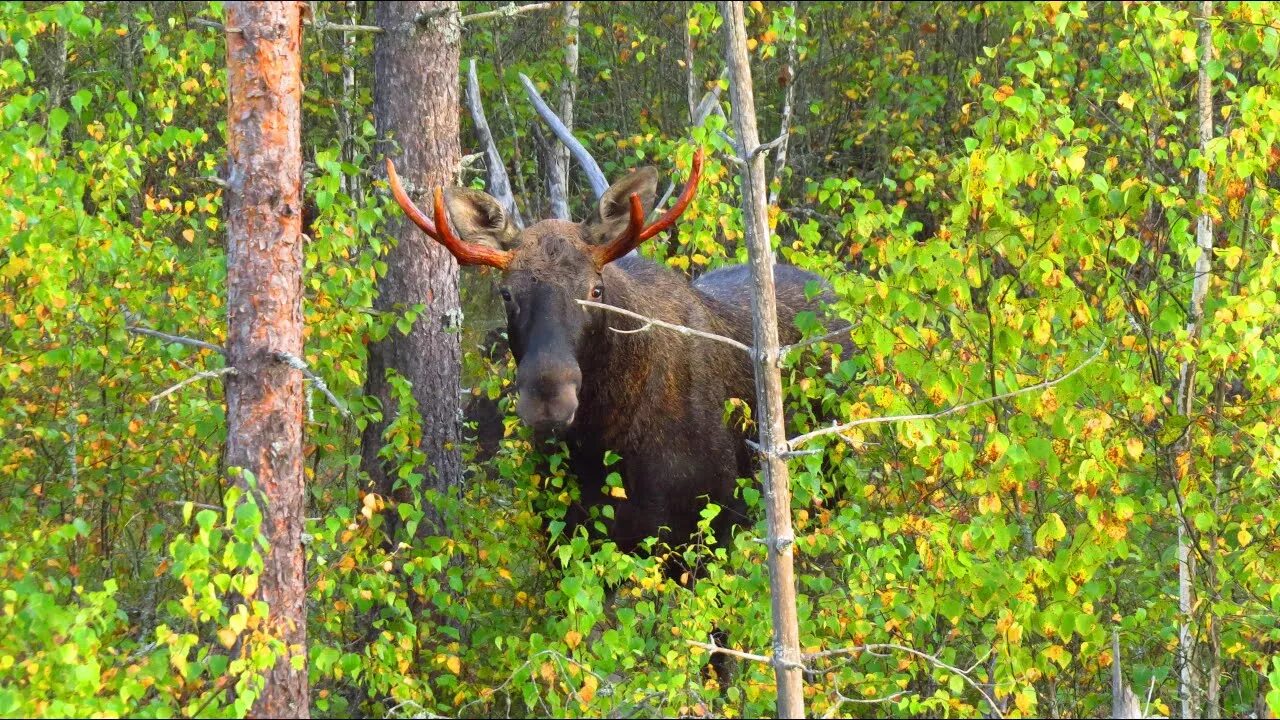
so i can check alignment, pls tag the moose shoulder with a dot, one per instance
(601, 382)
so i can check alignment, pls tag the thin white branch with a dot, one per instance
(712, 648)
(202, 375)
(138, 330)
(296, 363)
(878, 649)
(669, 326)
(767, 147)
(837, 429)
(841, 699)
(506, 11)
(782, 351)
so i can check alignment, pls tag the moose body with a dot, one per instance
(657, 399)
(605, 382)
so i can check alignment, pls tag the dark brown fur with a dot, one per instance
(595, 379)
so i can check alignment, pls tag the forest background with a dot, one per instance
(999, 193)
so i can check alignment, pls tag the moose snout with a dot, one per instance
(549, 398)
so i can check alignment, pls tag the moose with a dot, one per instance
(601, 381)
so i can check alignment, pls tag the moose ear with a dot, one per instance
(615, 205)
(478, 218)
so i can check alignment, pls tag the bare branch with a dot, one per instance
(139, 330)
(203, 375)
(296, 363)
(669, 326)
(506, 11)
(842, 699)
(712, 648)
(767, 147)
(499, 184)
(878, 649)
(202, 506)
(710, 102)
(782, 351)
(837, 429)
(321, 25)
(595, 176)
(788, 102)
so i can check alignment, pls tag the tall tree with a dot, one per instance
(1191, 688)
(415, 106)
(264, 313)
(559, 172)
(764, 312)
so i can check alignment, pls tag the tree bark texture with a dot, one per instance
(769, 409)
(264, 313)
(415, 106)
(1191, 686)
(559, 172)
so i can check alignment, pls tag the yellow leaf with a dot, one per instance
(572, 638)
(1076, 163)
(227, 637)
(1125, 101)
(1244, 537)
(989, 504)
(618, 492)
(588, 689)
(1002, 93)
(454, 664)
(1025, 700)
(1133, 446)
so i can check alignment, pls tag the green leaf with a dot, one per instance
(57, 121)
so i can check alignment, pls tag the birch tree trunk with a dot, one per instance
(777, 481)
(264, 314)
(415, 102)
(1190, 690)
(558, 172)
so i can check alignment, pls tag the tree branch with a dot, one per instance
(782, 351)
(499, 184)
(506, 11)
(139, 330)
(669, 326)
(202, 375)
(878, 648)
(296, 363)
(837, 429)
(713, 649)
(595, 176)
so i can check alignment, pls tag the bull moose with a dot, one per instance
(595, 378)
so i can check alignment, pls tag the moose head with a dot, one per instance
(546, 268)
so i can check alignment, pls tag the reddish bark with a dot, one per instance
(264, 312)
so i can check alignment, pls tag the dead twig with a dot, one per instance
(669, 326)
(202, 375)
(838, 429)
(296, 363)
(139, 330)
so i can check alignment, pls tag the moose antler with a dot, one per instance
(466, 253)
(636, 232)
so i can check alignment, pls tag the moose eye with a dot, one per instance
(597, 292)
(506, 295)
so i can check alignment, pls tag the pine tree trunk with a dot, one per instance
(415, 106)
(264, 314)
(769, 409)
